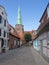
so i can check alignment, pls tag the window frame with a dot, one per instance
(4, 34)
(5, 23)
(0, 32)
(0, 19)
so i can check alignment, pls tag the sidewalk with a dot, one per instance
(38, 58)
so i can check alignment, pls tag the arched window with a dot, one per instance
(0, 18)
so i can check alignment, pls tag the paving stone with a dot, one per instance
(21, 56)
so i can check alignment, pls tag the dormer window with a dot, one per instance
(0, 18)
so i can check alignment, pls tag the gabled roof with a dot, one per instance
(25, 32)
(4, 9)
(44, 23)
(14, 33)
(44, 12)
(10, 26)
(35, 37)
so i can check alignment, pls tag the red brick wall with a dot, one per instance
(11, 41)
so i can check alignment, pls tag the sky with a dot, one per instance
(31, 12)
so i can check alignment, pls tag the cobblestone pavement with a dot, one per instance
(20, 56)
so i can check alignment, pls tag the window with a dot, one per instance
(0, 32)
(4, 33)
(5, 23)
(2, 13)
(5, 42)
(14, 42)
(48, 32)
(0, 18)
(48, 41)
(7, 35)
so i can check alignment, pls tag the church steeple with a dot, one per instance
(19, 19)
(19, 26)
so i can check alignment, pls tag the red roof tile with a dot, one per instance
(14, 32)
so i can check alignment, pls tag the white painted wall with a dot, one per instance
(2, 27)
(45, 39)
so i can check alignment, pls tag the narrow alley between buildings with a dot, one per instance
(22, 56)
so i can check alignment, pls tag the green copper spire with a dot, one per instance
(19, 20)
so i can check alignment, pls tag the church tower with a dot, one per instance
(19, 26)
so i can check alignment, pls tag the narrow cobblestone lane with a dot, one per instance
(20, 56)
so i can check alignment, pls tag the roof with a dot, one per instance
(21, 36)
(14, 33)
(19, 19)
(44, 12)
(25, 32)
(4, 9)
(35, 37)
(44, 23)
(10, 26)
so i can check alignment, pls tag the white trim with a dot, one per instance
(48, 12)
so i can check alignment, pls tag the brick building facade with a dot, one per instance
(41, 42)
(14, 40)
